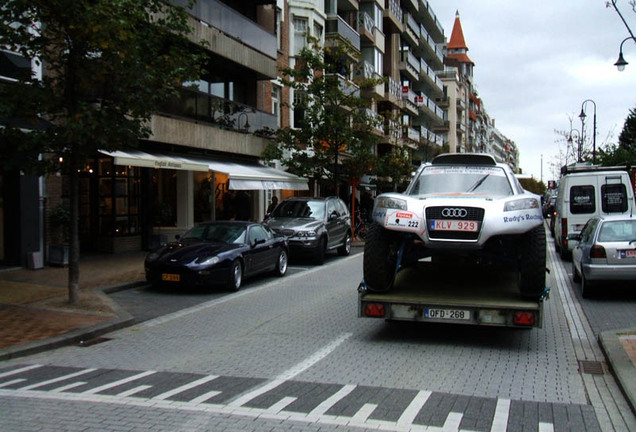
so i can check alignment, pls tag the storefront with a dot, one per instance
(134, 200)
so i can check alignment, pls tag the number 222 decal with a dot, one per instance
(403, 220)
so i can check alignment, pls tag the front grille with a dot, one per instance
(472, 214)
(285, 232)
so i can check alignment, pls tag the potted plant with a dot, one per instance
(59, 220)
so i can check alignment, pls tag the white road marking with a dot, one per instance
(414, 408)
(281, 405)
(363, 413)
(17, 371)
(134, 390)
(452, 421)
(546, 427)
(15, 381)
(119, 382)
(205, 396)
(70, 386)
(332, 400)
(500, 420)
(185, 387)
(54, 380)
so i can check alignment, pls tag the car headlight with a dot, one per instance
(392, 203)
(522, 204)
(305, 234)
(208, 261)
(153, 256)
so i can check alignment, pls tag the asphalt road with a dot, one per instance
(290, 353)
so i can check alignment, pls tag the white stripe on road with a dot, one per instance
(134, 390)
(546, 427)
(119, 382)
(15, 381)
(291, 372)
(205, 396)
(70, 386)
(185, 387)
(281, 405)
(363, 413)
(332, 400)
(500, 421)
(452, 421)
(414, 408)
(17, 371)
(54, 380)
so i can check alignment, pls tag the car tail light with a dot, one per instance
(597, 251)
(375, 310)
(564, 227)
(523, 318)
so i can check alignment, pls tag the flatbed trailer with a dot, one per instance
(462, 295)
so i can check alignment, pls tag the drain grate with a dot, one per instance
(591, 367)
(90, 342)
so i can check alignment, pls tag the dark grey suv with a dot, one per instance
(313, 225)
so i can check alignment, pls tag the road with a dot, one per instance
(290, 354)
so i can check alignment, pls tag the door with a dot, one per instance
(262, 254)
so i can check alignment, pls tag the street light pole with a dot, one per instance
(570, 140)
(582, 117)
(621, 62)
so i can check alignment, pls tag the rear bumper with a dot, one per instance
(595, 272)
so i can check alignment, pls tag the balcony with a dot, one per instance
(430, 19)
(392, 130)
(377, 121)
(410, 65)
(428, 75)
(393, 17)
(409, 100)
(338, 27)
(364, 70)
(346, 86)
(366, 28)
(393, 91)
(411, 29)
(216, 14)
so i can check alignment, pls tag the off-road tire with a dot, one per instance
(532, 259)
(380, 258)
(345, 249)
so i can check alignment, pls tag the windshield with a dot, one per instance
(300, 209)
(612, 231)
(462, 180)
(223, 233)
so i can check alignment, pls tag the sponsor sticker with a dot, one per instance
(403, 220)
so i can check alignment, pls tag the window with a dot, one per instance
(582, 199)
(279, 28)
(299, 108)
(614, 198)
(300, 34)
(258, 233)
(119, 199)
(317, 31)
(14, 66)
(276, 91)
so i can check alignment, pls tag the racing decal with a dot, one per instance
(522, 218)
(403, 220)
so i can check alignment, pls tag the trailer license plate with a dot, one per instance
(451, 314)
(170, 277)
(454, 225)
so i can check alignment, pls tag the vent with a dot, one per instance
(591, 367)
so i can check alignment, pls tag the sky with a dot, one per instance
(536, 62)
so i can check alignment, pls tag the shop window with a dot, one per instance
(119, 196)
(164, 209)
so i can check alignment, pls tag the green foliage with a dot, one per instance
(109, 64)
(533, 185)
(627, 138)
(625, 152)
(334, 135)
(394, 170)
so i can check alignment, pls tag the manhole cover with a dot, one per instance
(591, 367)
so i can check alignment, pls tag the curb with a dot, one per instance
(123, 319)
(620, 363)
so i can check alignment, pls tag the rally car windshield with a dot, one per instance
(442, 180)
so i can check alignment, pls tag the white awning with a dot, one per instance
(242, 176)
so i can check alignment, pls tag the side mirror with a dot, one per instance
(333, 216)
(258, 241)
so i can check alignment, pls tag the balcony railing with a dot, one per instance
(412, 25)
(346, 86)
(376, 119)
(365, 22)
(425, 69)
(337, 25)
(428, 40)
(394, 8)
(365, 70)
(216, 14)
(224, 113)
(394, 88)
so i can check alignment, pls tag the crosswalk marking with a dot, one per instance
(500, 420)
(15, 381)
(17, 371)
(69, 386)
(205, 396)
(332, 400)
(118, 382)
(185, 387)
(281, 405)
(363, 413)
(414, 408)
(134, 390)
(54, 380)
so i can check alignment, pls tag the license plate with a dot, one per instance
(170, 277)
(454, 225)
(451, 314)
(630, 253)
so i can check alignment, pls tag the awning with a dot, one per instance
(242, 176)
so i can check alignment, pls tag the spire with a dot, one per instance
(457, 48)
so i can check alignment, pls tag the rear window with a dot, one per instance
(614, 198)
(582, 199)
(618, 231)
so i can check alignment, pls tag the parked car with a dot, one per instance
(218, 253)
(586, 191)
(606, 251)
(313, 225)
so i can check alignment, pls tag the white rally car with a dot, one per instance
(461, 209)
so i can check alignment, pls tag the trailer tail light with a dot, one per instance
(523, 318)
(597, 251)
(374, 310)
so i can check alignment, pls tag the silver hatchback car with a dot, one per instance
(606, 251)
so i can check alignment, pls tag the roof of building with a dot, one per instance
(458, 43)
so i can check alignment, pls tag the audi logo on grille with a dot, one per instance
(454, 212)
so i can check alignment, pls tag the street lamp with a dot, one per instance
(582, 117)
(621, 62)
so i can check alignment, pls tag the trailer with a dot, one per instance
(471, 295)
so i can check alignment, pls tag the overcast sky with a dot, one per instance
(535, 64)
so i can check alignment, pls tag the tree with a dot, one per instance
(625, 151)
(108, 64)
(394, 169)
(331, 124)
(627, 138)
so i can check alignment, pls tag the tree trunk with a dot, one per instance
(73, 261)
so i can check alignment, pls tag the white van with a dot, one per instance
(586, 191)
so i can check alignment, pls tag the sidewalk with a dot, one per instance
(35, 314)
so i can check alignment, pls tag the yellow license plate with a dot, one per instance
(170, 277)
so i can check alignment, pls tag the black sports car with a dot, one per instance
(218, 253)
